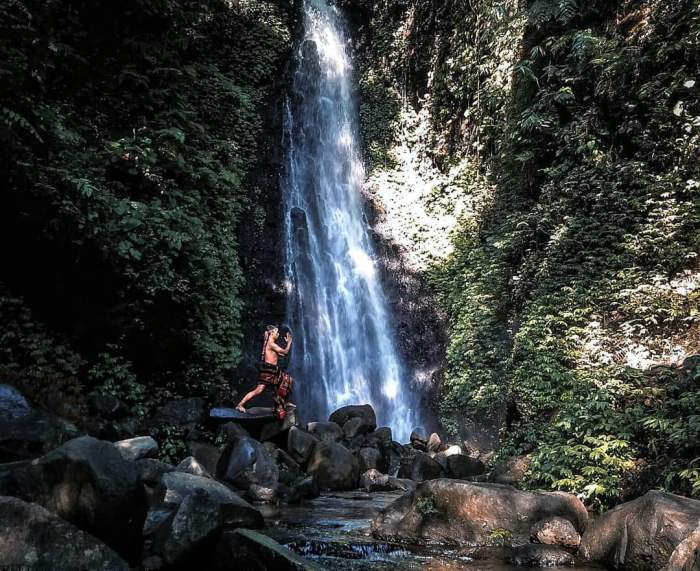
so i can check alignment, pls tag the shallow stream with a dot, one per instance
(333, 531)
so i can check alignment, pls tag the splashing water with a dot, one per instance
(344, 351)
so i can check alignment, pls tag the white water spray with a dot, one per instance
(345, 352)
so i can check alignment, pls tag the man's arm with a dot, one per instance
(279, 350)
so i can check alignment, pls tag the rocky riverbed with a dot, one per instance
(260, 494)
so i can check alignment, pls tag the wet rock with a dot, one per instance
(434, 442)
(176, 486)
(32, 435)
(459, 512)
(441, 459)
(325, 431)
(300, 445)
(254, 551)
(137, 448)
(264, 494)
(289, 469)
(245, 462)
(364, 411)
(641, 534)
(88, 483)
(380, 438)
(686, 556)
(462, 467)
(107, 406)
(511, 471)
(419, 468)
(333, 466)
(370, 458)
(555, 531)
(373, 480)
(541, 556)
(356, 427)
(180, 412)
(393, 459)
(13, 405)
(32, 537)
(274, 428)
(207, 455)
(418, 436)
(191, 466)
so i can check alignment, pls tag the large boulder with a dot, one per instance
(191, 466)
(459, 512)
(253, 551)
(641, 534)
(13, 405)
(419, 468)
(363, 411)
(31, 537)
(686, 556)
(333, 466)
(434, 442)
(175, 487)
(137, 448)
(510, 471)
(375, 481)
(555, 531)
(325, 431)
(32, 435)
(370, 458)
(380, 438)
(357, 426)
(300, 445)
(88, 483)
(245, 462)
(461, 467)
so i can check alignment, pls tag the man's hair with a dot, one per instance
(270, 327)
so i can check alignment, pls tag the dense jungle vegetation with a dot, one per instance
(129, 134)
(572, 289)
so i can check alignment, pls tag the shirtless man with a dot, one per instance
(269, 370)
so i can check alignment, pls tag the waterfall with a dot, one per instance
(344, 348)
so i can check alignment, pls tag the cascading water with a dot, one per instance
(344, 351)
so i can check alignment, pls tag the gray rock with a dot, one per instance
(245, 462)
(374, 481)
(370, 458)
(176, 486)
(458, 512)
(452, 450)
(206, 454)
(151, 470)
(686, 556)
(541, 556)
(510, 471)
(300, 444)
(555, 531)
(641, 535)
(365, 412)
(356, 426)
(462, 467)
(307, 488)
(232, 431)
(191, 466)
(325, 431)
(33, 435)
(32, 537)
(137, 448)
(265, 494)
(418, 436)
(419, 468)
(333, 466)
(13, 405)
(197, 519)
(252, 551)
(88, 483)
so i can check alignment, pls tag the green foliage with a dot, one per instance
(426, 507)
(581, 269)
(131, 131)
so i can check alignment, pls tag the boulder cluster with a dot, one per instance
(74, 501)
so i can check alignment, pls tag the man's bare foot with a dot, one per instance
(239, 408)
